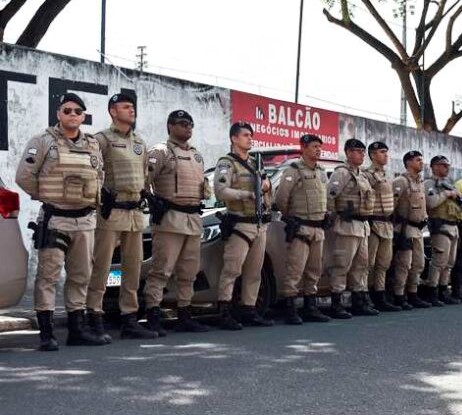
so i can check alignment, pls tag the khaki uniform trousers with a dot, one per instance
(444, 253)
(380, 257)
(409, 264)
(241, 259)
(131, 250)
(77, 263)
(349, 263)
(304, 263)
(172, 252)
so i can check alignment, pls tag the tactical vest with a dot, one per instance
(383, 188)
(73, 177)
(242, 179)
(412, 205)
(184, 183)
(308, 198)
(357, 197)
(124, 165)
(448, 210)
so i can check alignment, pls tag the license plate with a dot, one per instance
(114, 279)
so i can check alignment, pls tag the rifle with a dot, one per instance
(260, 175)
(450, 187)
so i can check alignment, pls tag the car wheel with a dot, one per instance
(265, 294)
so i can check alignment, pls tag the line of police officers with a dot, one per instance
(112, 173)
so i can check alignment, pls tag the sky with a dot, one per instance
(249, 45)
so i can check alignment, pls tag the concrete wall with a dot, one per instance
(32, 81)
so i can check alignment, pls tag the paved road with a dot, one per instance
(404, 363)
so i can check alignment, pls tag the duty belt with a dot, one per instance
(349, 218)
(127, 205)
(419, 225)
(67, 213)
(249, 219)
(446, 222)
(312, 223)
(375, 218)
(184, 209)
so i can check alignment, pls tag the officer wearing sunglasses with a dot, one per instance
(62, 168)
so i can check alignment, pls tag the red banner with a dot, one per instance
(277, 123)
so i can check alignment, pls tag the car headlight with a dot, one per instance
(210, 233)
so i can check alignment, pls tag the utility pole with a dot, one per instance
(103, 31)
(300, 26)
(404, 40)
(142, 62)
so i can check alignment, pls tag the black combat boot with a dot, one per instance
(416, 302)
(455, 285)
(433, 297)
(400, 301)
(360, 305)
(153, 316)
(186, 322)
(227, 321)
(368, 305)
(291, 315)
(311, 312)
(78, 336)
(96, 324)
(131, 329)
(381, 303)
(445, 297)
(48, 342)
(250, 317)
(337, 310)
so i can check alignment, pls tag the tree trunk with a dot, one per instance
(41, 21)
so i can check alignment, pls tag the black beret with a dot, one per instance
(354, 143)
(377, 145)
(410, 155)
(116, 98)
(71, 97)
(309, 138)
(178, 115)
(237, 126)
(439, 160)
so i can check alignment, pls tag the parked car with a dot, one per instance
(276, 160)
(13, 254)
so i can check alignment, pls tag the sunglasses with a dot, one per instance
(185, 124)
(76, 111)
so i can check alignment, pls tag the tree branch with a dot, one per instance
(7, 13)
(451, 122)
(41, 21)
(380, 47)
(450, 27)
(398, 45)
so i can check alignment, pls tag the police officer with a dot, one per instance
(456, 273)
(351, 197)
(301, 197)
(244, 248)
(381, 237)
(120, 219)
(410, 219)
(176, 175)
(62, 168)
(444, 213)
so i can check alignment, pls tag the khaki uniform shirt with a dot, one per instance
(436, 196)
(287, 189)
(173, 221)
(337, 182)
(382, 229)
(121, 219)
(40, 152)
(400, 186)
